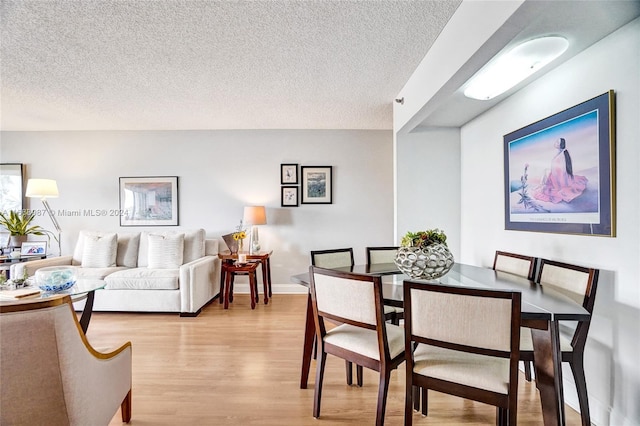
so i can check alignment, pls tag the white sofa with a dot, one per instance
(176, 271)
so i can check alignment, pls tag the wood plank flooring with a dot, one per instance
(242, 367)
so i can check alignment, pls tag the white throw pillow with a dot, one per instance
(99, 251)
(127, 254)
(165, 251)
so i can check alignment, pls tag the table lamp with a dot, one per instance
(43, 189)
(254, 215)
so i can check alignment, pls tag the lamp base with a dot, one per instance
(255, 241)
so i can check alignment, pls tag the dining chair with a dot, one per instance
(466, 344)
(363, 336)
(387, 254)
(523, 266)
(338, 258)
(377, 255)
(333, 258)
(52, 375)
(514, 263)
(578, 283)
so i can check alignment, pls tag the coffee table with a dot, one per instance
(82, 289)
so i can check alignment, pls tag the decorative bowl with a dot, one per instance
(55, 278)
(426, 263)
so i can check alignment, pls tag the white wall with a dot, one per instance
(220, 172)
(428, 183)
(611, 359)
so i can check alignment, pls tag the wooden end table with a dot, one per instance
(230, 270)
(263, 258)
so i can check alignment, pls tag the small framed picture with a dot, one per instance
(288, 174)
(31, 248)
(289, 196)
(316, 184)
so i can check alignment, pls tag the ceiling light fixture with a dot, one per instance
(506, 70)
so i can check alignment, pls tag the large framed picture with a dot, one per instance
(149, 201)
(289, 174)
(560, 171)
(316, 184)
(289, 196)
(11, 187)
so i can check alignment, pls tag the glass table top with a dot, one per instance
(79, 290)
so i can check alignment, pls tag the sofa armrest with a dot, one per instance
(199, 283)
(17, 270)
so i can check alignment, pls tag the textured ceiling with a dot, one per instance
(169, 64)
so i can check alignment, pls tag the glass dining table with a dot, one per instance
(542, 309)
(82, 290)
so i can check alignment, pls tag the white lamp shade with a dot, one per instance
(42, 188)
(254, 215)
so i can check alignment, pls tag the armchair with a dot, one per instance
(52, 375)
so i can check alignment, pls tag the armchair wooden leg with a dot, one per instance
(359, 376)
(125, 408)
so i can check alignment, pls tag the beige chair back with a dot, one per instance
(376, 255)
(516, 264)
(476, 319)
(334, 258)
(576, 282)
(345, 298)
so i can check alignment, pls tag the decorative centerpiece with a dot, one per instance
(424, 255)
(55, 278)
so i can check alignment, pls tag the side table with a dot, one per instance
(262, 257)
(230, 270)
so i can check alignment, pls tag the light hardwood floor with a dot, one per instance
(242, 367)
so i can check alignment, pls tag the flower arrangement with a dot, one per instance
(240, 233)
(424, 239)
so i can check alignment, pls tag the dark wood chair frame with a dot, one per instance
(575, 357)
(506, 412)
(397, 316)
(390, 317)
(384, 366)
(533, 261)
(348, 364)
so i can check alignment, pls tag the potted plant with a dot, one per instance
(19, 226)
(424, 254)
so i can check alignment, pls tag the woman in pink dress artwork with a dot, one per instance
(559, 183)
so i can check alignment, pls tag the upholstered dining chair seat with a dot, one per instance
(526, 341)
(475, 370)
(365, 342)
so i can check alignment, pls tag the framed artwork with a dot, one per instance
(559, 172)
(11, 187)
(316, 184)
(149, 201)
(288, 174)
(289, 196)
(34, 248)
